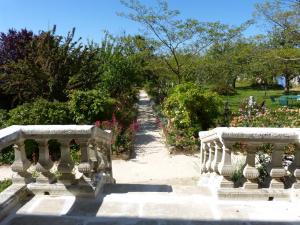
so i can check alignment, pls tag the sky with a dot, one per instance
(92, 17)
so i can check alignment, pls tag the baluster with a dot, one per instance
(296, 162)
(44, 164)
(225, 168)
(277, 171)
(205, 157)
(250, 172)
(104, 161)
(102, 157)
(21, 164)
(210, 156)
(85, 166)
(66, 164)
(218, 156)
(201, 156)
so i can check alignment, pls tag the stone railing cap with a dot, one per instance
(11, 134)
(250, 133)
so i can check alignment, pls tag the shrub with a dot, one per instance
(190, 107)
(92, 105)
(3, 118)
(7, 155)
(224, 89)
(40, 112)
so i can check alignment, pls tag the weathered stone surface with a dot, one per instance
(45, 220)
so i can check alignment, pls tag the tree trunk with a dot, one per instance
(287, 84)
(234, 82)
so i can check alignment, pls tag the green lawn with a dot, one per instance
(4, 184)
(259, 94)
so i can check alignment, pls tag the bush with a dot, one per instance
(3, 118)
(40, 112)
(189, 106)
(90, 106)
(223, 89)
(7, 155)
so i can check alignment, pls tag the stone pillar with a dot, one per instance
(250, 172)
(277, 171)
(225, 168)
(66, 164)
(218, 156)
(296, 185)
(210, 157)
(44, 164)
(21, 164)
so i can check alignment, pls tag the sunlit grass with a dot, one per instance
(4, 184)
(260, 95)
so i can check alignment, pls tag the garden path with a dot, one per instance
(152, 162)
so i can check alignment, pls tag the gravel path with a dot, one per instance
(153, 163)
(5, 172)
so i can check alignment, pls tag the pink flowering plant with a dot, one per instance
(123, 136)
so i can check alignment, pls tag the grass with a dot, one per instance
(4, 184)
(260, 95)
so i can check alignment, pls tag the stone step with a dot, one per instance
(134, 204)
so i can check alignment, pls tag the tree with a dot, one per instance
(283, 48)
(13, 45)
(283, 18)
(43, 69)
(175, 36)
(224, 63)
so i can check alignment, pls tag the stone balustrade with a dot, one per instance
(226, 150)
(94, 169)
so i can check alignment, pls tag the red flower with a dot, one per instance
(98, 123)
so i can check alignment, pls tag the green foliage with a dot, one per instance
(90, 106)
(3, 118)
(32, 150)
(40, 112)
(4, 184)
(75, 155)
(45, 69)
(223, 89)
(189, 106)
(238, 176)
(175, 36)
(7, 156)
